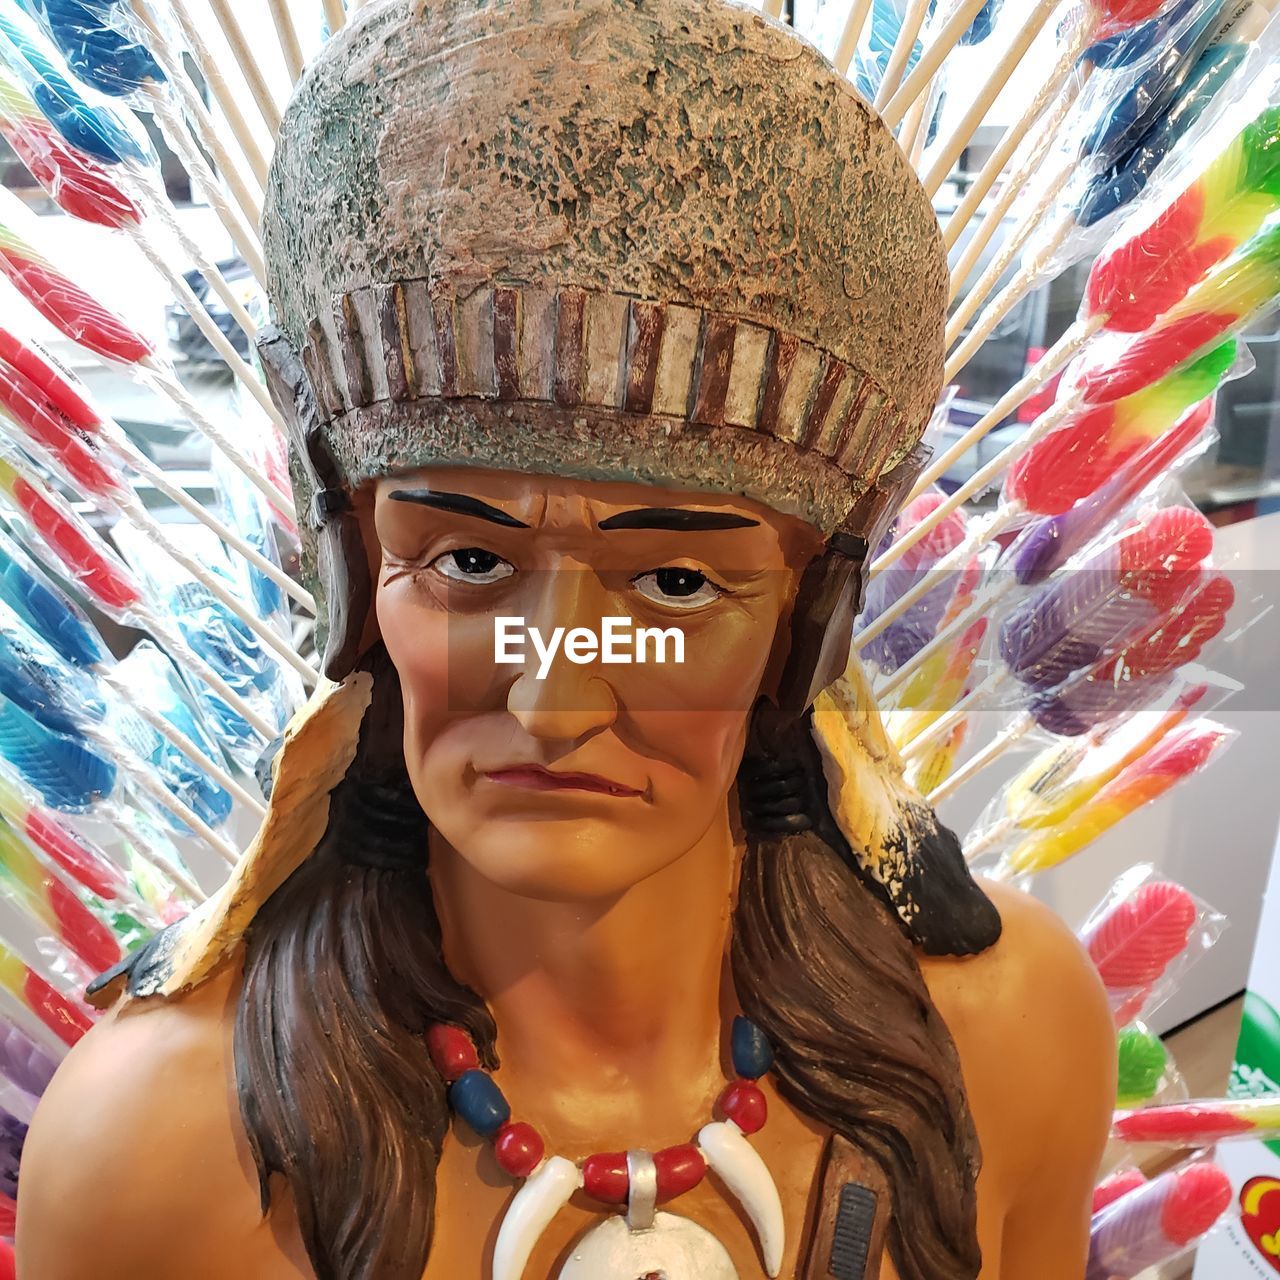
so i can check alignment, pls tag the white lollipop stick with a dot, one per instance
(206, 185)
(987, 756)
(991, 90)
(917, 84)
(912, 21)
(163, 380)
(288, 35)
(1060, 354)
(247, 63)
(222, 92)
(1009, 143)
(851, 34)
(981, 606)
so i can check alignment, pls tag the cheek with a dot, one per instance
(442, 661)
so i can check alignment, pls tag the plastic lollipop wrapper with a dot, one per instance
(99, 41)
(1065, 772)
(1235, 294)
(45, 1003)
(1144, 937)
(71, 309)
(1146, 1071)
(1048, 543)
(152, 679)
(85, 117)
(1228, 64)
(1142, 579)
(218, 637)
(1167, 247)
(1139, 129)
(80, 185)
(1092, 442)
(27, 588)
(245, 510)
(1158, 1221)
(24, 1063)
(74, 927)
(906, 636)
(1118, 1184)
(1201, 1122)
(1183, 753)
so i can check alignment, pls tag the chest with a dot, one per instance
(474, 1195)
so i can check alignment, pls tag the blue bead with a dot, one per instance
(752, 1053)
(477, 1100)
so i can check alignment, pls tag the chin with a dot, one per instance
(576, 859)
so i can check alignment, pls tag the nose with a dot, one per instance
(573, 701)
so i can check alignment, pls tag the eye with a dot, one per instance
(677, 587)
(472, 564)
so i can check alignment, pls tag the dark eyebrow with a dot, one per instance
(459, 504)
(679, 519)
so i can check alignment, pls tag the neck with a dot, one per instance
(604, 1016)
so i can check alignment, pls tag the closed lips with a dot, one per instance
(536, 778)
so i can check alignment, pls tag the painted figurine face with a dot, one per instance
(554, 738)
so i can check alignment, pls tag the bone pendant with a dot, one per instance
(545, 1192)
(738, 1165)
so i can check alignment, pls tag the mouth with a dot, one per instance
(534, 777)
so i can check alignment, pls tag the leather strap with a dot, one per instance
(848, 1237)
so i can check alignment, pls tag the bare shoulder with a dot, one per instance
(136, 1165)
(1036, 1040)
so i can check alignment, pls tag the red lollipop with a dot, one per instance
(77, 184)
(1134, 943)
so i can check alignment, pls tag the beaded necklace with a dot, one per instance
(638, 1180)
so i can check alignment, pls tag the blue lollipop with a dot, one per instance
(45, 608)
(92, 37)
(66, 773)
(94, 128)
(60, 696)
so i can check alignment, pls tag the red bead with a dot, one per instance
(452, 1051)
(604, 1177)
(680, 1169)
(744, 1104)
(519, 1149)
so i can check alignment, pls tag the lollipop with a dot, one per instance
(1125, 586)
(1134, 943)
(1118, 1185)
(1051, 541)
(68, 1019)
(79, 184)
(23, 1062)
(1133, 284)
(1183, 753)
(1157, 1221)
(1098, 439)
(99, 52)
(94, 128)
(48, 900)
(1201, 1123)
(1240, 289)
(108, 581)
(1143, 1062)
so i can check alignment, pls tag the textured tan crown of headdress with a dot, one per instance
(655, 240)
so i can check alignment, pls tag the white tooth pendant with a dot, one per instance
(738, 1165)
(545, 1192)
(646, 1243)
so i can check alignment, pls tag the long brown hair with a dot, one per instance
(344, 972)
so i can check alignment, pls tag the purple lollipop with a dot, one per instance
(22, 1061)
(1070, 624)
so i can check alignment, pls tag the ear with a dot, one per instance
(327, 521)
